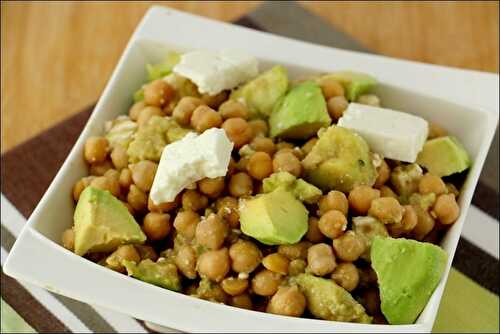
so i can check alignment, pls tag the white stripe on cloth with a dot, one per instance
(482, 230)
(53, 305)
(14, 221)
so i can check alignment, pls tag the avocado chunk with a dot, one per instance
(327, 300)
(274, 218)
(164, 67)
(161, 273)
(424, 201)
(368, 228)
(121, 132)
(261, 94)
(408, 271)
(302, 190)
(300, 114)
(444, 156)
(340, 160)
(354, 83)
(102, 223)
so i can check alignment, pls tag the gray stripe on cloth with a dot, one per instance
(288, 18)
(82, 311)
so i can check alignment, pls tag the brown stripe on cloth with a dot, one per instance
(29, 308)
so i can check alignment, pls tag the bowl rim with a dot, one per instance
(147, 30)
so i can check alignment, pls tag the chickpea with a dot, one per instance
(361, 197)
(369, 99)
(96, 149)
(296, 267)
(211, 232)
(214, 264)
(287, 162)
(79, 186)
(242, 301)
(147, 252)
(263, 144)
(161, 207)
(119, 157)
(336, 106)
(288, 300)
(384, 173)
(431, 184)
(234, 286)
(106, 183)
(68, 239)
(346, 275)
(320, 259)
(184, 109)
(210, 291)
(332, 224)
(370, 299)
(425, 223)
(143, 174)
(214, 101)
(137, 198)
(193, 200)
(295, 251)
(211, 187)
(331, 87)
(334, 200)
(99, 168)
(387, 210)
(185, 260)
(205, 118)
(186, 222)
(349, 247)
(135, 110)
(233, 109)
(158, 93)
(125, 178)
(156, 225)
(146, 114)
(245, 256)
(238, 131)
(408, 222)
(242, 164)
(282, 145)
(293, 150)
(266, 283)
(435, 131)
(227, 208)
(446, 209)
(260, 165)
(231, 168)
(452, 189)
(308, 146)
(314, 234)
(123, 252)
(385, 191)
(240, 184)
(259, 127)
(277, 263)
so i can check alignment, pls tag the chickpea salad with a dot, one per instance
(303, 198)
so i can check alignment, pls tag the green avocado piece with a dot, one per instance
(340, 160)
(327, 300)
(354, 83)
(368, 228)
(444, 156)
(161, 273)
(424, 201)
(274, 218)
(300, 114)
(261, 94)
(408, 271)
(301, 189)
(163, 68)
(102, 223)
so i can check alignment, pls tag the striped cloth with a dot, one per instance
(470, 302)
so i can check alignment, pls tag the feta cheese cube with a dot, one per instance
(189, 160)
(214, 72)
(392, 134)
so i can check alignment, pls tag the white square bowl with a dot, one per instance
(417, 88)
